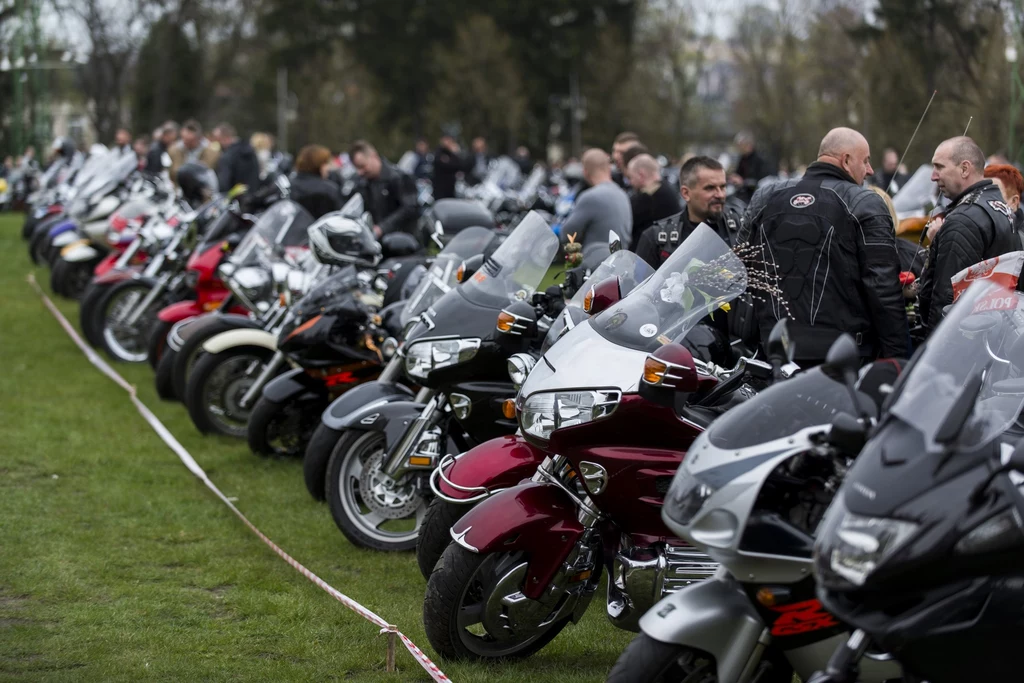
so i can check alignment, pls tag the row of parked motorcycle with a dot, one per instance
(753, 519)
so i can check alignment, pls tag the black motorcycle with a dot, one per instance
(377, 481)
(922, 548)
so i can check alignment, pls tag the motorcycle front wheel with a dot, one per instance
(369, 509)
(652, 661)
(123, 342)
(283, 429)
(465, 611)
(316, 458)
(435, 533)
(216, 386)
(87, 313)
(70, 279)
(156, 342)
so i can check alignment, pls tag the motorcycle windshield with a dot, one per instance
(917, 194)
(627, 266)
(697, 279)
(440, 276)
(979, 340)
(503, 173)
(516, 267)
(323, 293)
(114, 169)
(809, 399)
(282, 225)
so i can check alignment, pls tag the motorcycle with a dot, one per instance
(376, 479)
(324, 334)
(920, 550)
(461, 481)
(526, 561)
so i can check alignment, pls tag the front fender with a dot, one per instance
(484, 470)
(243, 337)
(536, 518)
(105, 266)
(115, 275)
(178, 311)
(293, 384)
(63, 239)
(61, 228)
(207, 325)
(714, 616)
(79, 252)
(363, 395)
(391, 418)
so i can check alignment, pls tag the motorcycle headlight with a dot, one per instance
(686, 496)
(423, 357)
(855, 546)
(543, 413)
(191, 278)
(519, 367)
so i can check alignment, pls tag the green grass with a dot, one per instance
(116, 564)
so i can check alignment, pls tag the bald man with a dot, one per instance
(978, 223)
(830, 244)
(652, 199)
(600, 209)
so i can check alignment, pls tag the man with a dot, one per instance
(141, 147)
(389, 194)
(157, 159)
(978, 223)
(480, 161)
(829, 246)
(890, 172)
(652, 200)
(237, 164)
(523, 160)
(123, 141)
(309, 184)
(623, 143)
(702, 187)
(1011, 185)
(600, 209)
(448, 163)
(750, 169)
(424, 160)
(192, 147)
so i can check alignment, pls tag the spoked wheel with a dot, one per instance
(123, 340)
(371, 509)
(474, 608)
(87, 312)
(283, 429)
(217, 385)
(70, 279)
(652, 661)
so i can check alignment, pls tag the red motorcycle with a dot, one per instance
(527, 561)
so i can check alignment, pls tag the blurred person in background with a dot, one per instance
(523, 160)
(157, 158)
(424, 160)
(238, 164)
(601, 209)
(623, 142)
(480, 160)
(890, 172)
(192, 146)
(448, 163)
(390, 195)
(652, 199)
(1011, 184)
(141, 147)
(310, 186)
(263, 145)
(751, 167)
(123, 141)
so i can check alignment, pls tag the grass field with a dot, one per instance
(117, 565)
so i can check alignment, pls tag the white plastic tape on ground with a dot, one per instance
(168, 438)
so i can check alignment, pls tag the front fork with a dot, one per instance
(843, 666)
(397, 463)
(269, 370)
(156, 290)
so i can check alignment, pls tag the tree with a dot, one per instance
(168, 76)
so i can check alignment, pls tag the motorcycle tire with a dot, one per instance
(156, 341)
(186, 358)
(125, 350)
(650, 660)
(283, 429)
(435, 533)
(164, 376)
(346, 498)
(203, 390)
(450, 581)
(28, 226)
(38, 246)
(94, 293)
(71, 279)
(318, 454)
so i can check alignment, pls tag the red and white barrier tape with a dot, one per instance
(189, 462)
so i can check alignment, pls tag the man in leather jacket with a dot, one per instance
(390, 194)
(702, 186)
(237, 164)
(829, 246)
(978, 224)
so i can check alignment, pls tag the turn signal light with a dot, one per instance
(212, 305)
(508, 409)
(505, 321)
(769, 596)
(419, 460)
(460, 274)
(654, 370)
(588, 300)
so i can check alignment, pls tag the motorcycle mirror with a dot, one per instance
(438, 234)
(847, 433)
(602, 295)
(614, 242)
(844, 356)
(780, 347)
(469, 267)
(668, 371)
(518, 319)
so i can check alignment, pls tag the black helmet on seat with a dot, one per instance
(197, 182)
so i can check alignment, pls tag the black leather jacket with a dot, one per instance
(317, 195)
(391, 199)
(660, 240)
(978, 226)
(830, 246)
(238, 165)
